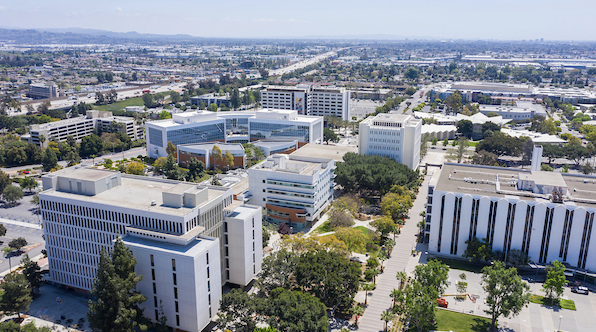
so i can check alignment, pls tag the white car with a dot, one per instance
(580, 290)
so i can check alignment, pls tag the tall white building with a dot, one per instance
(232, 127)
(392, 135)
(293, 189)
(309, 100)
(42, 91)
(184, 237)
(548, 216)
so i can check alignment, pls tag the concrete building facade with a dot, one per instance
(392, 135)
(293, 189)
(308, 100)
(178, 233)
(547, 216)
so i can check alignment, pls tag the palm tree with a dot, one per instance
(8, 252)
(401, 276)
(367, 288)
(357, 310)
(386, 316)
(395, 293)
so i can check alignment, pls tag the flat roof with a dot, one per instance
(242, 211)
(137, 192)
(192, 249)
(452, 179)
(335, 152)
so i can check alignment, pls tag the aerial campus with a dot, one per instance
(174, 183)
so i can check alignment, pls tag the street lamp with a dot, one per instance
(559, 329)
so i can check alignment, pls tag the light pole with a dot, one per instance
(559, 329)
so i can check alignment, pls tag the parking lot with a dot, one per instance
(535, 317)
(70, 311)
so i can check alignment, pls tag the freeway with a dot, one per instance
(129, 93)
(303, 63)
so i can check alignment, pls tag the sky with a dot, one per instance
(442, 19)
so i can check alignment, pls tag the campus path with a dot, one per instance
(401, 260)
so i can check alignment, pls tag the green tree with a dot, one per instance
(460, 152)
(396, 206)
(384, 225)
(135, 168)
(216, 153)
(172, 170)
(17, 243)
(8, 253)
(236, 311)
(91, 145)
(16, 295)
(329, 135)
(228, 159)
(454, 101)
(387, 316)
(170, 148)
(4, 180)
(418, 298)
(478, 250)
(12, 194)
(235, 98)
(465, 127)
(160, 164)
(354, 239)
(116, 307)
(506, 293)
(294, 311)
(31, 271)
(196, 170)
(148, 100)
(329, 276)
(555, 281)
(49, 160)
(162, 322)
(28, 183)
(277, 271)
(2, 230)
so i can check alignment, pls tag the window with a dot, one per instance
(207, 255)
(175, 280)
(177, 320)
(208, 286)
(207, 271)
(156, 315)
(154, 289)
(176, 304)
(173, 264)
(155, 301)
(175, 292)
(152, 274)
(152, 262)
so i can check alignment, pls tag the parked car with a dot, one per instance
(580, 290)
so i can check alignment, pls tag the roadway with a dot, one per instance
(31, 232)
(128, 93)
(303, 63)
(414, 100)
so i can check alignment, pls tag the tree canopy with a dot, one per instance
(363, 172)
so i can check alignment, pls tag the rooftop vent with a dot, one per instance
(153, 203)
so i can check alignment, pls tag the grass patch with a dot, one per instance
(458, 322)
(462, 265)
(564, 304)
(120, 105)
(473, 144)
(324, 228)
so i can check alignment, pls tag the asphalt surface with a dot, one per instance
(33, 237)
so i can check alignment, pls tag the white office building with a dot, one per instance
(42, 91)
(232, 127)
(548, 216)
(294, 190)
(79, 127)
(184, 237)
(392, 135)
(308, 99)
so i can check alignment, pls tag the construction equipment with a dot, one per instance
(442, 302)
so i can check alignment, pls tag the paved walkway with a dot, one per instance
(401, 260)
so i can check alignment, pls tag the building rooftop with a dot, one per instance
(192, 249)
(291, 164)
(134, 192)
(501, 182)
(335, 152)
(232, 147)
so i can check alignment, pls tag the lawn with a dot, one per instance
(120, 105)
(462, 265)
(447, 320)
(565, 304)
(324, 228)
(473, 143)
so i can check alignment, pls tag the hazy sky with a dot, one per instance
(467, 19)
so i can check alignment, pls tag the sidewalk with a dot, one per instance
(401, 260)
(19, 223)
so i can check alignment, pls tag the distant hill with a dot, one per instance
(88, 36)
